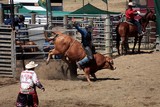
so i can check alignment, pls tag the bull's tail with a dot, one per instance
(117, 38)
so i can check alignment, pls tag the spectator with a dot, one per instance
(28, 82)
(7, 20)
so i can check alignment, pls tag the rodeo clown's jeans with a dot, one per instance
(87, 58)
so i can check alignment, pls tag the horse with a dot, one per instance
(73, 51)
(124, 30)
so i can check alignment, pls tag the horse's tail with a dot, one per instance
(117, 37)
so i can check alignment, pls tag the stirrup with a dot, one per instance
(141, 34)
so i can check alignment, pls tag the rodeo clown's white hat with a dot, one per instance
(31, 64)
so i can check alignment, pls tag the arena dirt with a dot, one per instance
(135, 83)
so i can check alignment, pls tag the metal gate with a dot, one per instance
(7, 56)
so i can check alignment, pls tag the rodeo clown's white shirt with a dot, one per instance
(28, 79)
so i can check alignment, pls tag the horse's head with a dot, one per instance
(149, 16)
(109, 64)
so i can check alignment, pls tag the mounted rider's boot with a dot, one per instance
(141, 34)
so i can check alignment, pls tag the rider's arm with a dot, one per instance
(132, 12)
(80, 30)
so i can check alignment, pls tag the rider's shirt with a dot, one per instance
(28, 80)
(130, 14)
(86, 36)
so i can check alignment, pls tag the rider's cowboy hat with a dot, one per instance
(31, 64)
(131, 4)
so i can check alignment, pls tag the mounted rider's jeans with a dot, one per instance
(87, 58)
(135, 22)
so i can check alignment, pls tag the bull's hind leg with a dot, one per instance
(51, 52)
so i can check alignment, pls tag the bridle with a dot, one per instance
(146, 18)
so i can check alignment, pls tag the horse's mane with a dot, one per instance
(144, 18)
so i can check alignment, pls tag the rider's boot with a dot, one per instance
(141, 34)
(81, 63)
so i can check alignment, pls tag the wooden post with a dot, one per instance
(33, 20)
(65, 21)
(16, 9)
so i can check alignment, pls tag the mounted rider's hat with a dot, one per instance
(131, 4)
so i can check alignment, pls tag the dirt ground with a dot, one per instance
(135, 83)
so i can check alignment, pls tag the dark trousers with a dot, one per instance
(30, 100)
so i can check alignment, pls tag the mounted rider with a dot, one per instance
(86, 34)
(130, 17)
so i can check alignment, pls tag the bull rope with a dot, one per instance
(69, 48)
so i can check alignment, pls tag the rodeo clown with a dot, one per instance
(28, 82)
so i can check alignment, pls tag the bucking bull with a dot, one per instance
(73, 50)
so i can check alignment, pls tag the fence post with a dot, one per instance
(107, 32)
(16, 9)
(65, 21)
(157, 43)
(13, 54)
(33, 20)
(1, 14)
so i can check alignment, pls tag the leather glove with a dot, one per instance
(43, 89)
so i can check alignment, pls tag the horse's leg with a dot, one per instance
(122, 45)
(50, 53)
(118, 44)
(126, 45)
(140, 39)
(135, 42)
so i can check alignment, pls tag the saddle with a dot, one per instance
(129, 22)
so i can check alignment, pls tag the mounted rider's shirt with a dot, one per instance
(86, 36)
(130, 14)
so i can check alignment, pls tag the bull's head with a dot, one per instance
(109, 64)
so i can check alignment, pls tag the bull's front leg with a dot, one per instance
(87, 74)
(94, 76)
(50, 53)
